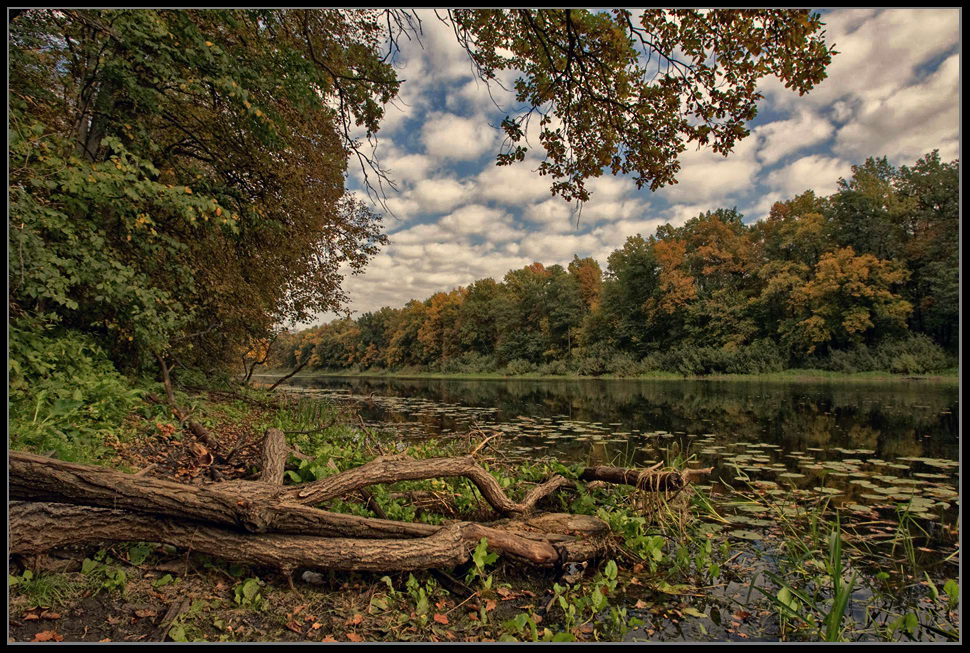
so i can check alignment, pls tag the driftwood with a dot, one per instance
(57, 503)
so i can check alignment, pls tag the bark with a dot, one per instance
(37, 527)
(263, 522)
(393, 469)
(275, 454)
(645, 479)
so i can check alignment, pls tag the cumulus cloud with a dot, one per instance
(493, 225)
(707, 175)
(452, 138)
(815, 172)
(909, 122)
(780, 138)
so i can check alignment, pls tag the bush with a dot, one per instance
(518, 366)
(760, 357)
(623, 364)
(596, 359)
(557, 368)
(65, 394)
(470, 362)
(912, 354)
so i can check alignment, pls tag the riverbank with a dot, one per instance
(693, 567)
(950, 376)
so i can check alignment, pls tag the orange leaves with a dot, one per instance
(48, 636)
(847, 296)
(676, 284)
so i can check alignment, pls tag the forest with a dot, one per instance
(866, 279)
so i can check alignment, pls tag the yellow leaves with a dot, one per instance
(246, 104)
(188, 191)
(208, 44)
(218, 210)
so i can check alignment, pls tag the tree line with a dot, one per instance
(865, 279)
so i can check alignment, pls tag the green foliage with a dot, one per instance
(481, 558)
(43, 590)
(136, 137)
(103, 574)
(914, 354)
(247, 594)
(65, 394)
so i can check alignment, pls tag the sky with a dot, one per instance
(893, 90)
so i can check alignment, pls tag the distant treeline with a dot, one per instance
(865, 279)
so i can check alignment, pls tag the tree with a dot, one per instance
(849, 299)
(176, 170)
(932, 251)
(477, 328)
(631, 281)
(629, 94)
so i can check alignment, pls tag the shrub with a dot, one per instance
(470, 362)
(623, 364)
(65, 394)
(912, 354)
(518, 366)
(557, 368)
(595, 359)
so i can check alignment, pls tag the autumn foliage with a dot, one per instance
(789, 290)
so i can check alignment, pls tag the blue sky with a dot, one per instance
(892, 91)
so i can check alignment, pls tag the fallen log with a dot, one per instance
(646, 480)
(263, 522)
(37, 527)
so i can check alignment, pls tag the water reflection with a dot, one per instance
(893, 420)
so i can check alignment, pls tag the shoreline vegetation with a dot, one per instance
(668, 557)
(947, 376)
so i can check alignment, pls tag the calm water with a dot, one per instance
(608, 418)
(870, 447)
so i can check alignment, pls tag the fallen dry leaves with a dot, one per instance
(47, 636)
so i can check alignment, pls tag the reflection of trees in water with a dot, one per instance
(884, 417)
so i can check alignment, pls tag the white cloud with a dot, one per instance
(439, 195)
(879, 52)
(452, 138)
(783, 137)
(514, 185)
(910, 122)
(474, 219)
(707, 175)
(815, 172)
